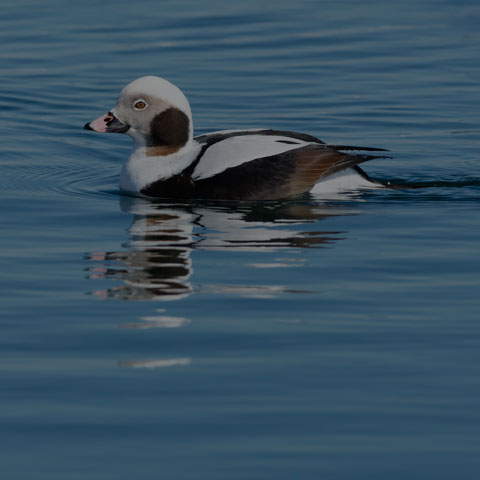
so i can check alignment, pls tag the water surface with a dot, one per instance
(315, 337)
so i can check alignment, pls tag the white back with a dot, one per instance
(236, 150)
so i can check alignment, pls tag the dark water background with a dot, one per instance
(333, 338)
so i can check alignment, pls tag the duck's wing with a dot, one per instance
(257, 166)
(228, 149)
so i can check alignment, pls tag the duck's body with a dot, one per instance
(240, 164)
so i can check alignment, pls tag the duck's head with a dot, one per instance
(151, 110)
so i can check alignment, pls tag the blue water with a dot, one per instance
(332, 338)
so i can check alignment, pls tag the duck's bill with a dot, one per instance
(107, 123)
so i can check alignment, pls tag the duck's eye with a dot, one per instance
(140, 104)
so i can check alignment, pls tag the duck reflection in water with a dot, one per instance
(157, 265)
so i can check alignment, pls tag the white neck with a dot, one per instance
(142, 169)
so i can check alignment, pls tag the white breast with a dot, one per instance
(237, 150)
(141, 170)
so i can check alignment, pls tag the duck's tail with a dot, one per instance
(360, 149)
(358, 158)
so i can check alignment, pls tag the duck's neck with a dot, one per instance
(149, 164)
(162, 150)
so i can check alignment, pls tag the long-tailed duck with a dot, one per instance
(168, 161)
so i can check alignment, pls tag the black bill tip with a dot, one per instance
(87, 126)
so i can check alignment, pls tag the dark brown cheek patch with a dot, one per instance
(170, 127)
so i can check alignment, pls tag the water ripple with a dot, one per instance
(70, 179)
